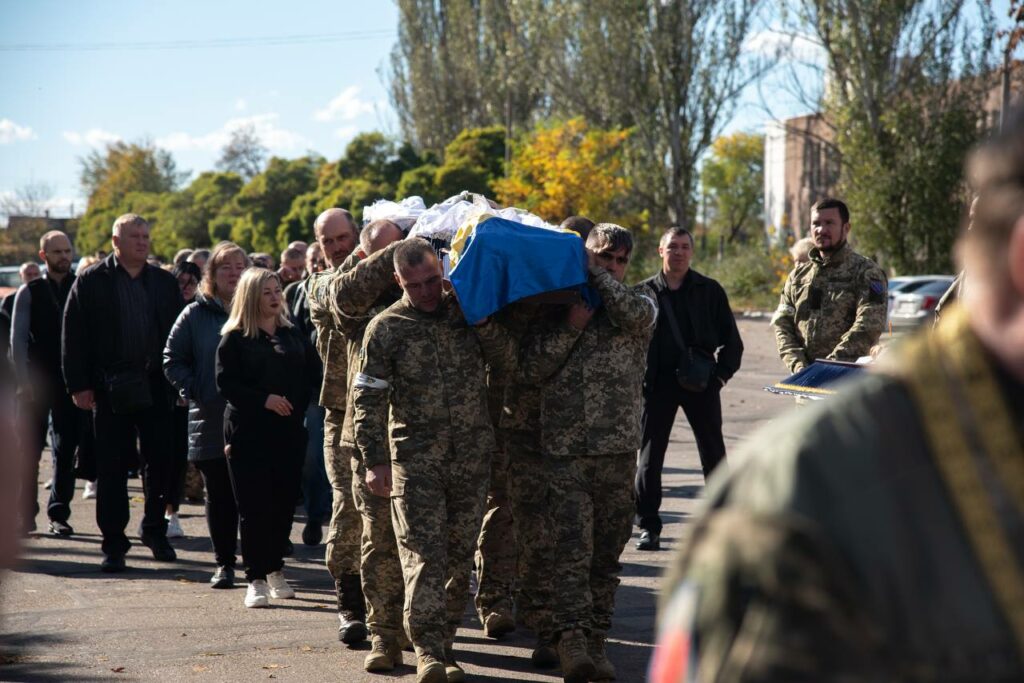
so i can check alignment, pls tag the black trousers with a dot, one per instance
(704, 413)
(179, 451)
(221, 510)
(54, 413)
(266, 483)
(114, 435)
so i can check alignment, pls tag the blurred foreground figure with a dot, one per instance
(878, 535)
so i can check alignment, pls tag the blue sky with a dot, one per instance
(307, 74)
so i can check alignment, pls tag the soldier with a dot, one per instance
(591, 367)
(876, 537)
(336, 232)
(347, 299)
(424, 365)
(834, 305)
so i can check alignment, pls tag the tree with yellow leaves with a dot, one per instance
(566, 169)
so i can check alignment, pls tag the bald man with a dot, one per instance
(35, 353)
(118, 315)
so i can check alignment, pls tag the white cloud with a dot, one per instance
(265, 126)
(94, 137)
(346, 132)
(12, 132)
(345, 107)
(241, 104)
(786, 45)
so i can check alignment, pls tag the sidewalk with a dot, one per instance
(64, 620)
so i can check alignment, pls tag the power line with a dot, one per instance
(252, 41)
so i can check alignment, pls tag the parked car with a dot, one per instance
(907, 284)
(10, 280)
(911, 309)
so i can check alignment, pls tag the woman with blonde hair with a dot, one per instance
(190, 358)
(266, 369)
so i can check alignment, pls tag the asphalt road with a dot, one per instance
(64, 620)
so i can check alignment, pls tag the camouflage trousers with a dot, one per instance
(380, 568)
(436, 510)
(342, 555)
(529, 496)
(592, 514)
(495, 547)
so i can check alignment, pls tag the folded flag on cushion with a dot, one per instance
(817, 380)
(496, 261)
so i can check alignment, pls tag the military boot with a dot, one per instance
(577, 666)
(351, 610)
(498, 623)
(603, 668)
(430, 669)
(544, 655)
(452, 669)
(384, 655)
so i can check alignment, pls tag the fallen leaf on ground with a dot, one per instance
(307, 648)
(118, 669)
(275, 666)
(199, 668)
(213, 654)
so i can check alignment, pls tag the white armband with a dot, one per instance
(363, 381)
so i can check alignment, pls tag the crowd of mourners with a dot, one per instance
(346, 379)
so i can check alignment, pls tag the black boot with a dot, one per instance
(351, 610)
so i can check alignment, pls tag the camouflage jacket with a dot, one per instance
(832, 551)
(355, 292)
(832, 307)
(591, 379)
(330, 342)
(421, 386)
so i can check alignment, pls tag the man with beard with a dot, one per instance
(35, 351)
(834, 305)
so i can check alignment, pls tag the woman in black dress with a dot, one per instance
(266, 370)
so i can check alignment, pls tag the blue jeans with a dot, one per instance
(316, 489)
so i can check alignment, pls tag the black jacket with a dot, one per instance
(189, 363)
(711, 327)
(91, 339)
(250, 369)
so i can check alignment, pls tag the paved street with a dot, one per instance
(64, 620)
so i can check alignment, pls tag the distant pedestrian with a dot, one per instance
(44, 403)
(116, 321)
(189, 363)
(266, 370)
(695, 350)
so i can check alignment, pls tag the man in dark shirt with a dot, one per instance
(35, 353)
(706, 329)
(116, 322)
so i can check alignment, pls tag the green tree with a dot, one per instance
(462, 64)
(473, 161)
(187, 214)
(733, 179)
(908, 81)
(260, 205)
(123, 167)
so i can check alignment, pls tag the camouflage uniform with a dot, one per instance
(357, 292)
(342, 552)
(590, 429)
(496, 547)
(422, 387)
(528, 487)
(832, 307)
(836, 548)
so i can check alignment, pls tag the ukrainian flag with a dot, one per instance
(496, 261)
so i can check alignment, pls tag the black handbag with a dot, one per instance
(128, 391)
(696, 366)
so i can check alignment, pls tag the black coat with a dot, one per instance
(250, 369)
(90, 342)
(711, 327)
(189, 363)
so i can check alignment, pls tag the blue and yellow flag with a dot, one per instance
(497, 261)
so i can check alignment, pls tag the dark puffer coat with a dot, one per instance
(189, 361)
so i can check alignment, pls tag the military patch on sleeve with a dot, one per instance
(364, 381)
(876, 292)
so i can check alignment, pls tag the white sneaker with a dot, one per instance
(279, 588)
(174, 529)
(257, 594)
(89, 492)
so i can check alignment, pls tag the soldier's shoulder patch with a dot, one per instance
(876, 291)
